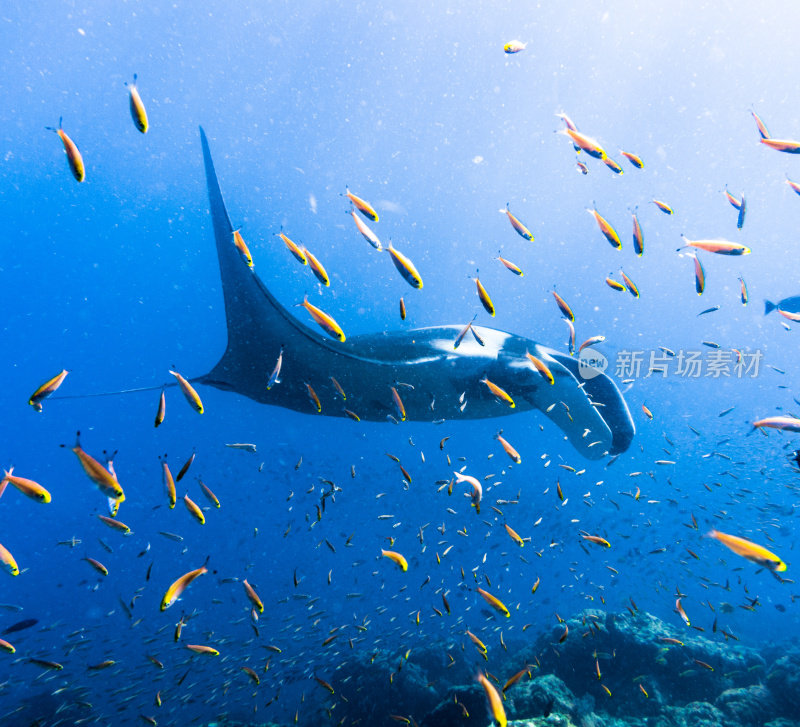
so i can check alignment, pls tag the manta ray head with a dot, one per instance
(583, 400)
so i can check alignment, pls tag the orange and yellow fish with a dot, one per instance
(495, 702)
(253, 596)
(241, 246)
(663, 206)
(324, 321)
(566, 311)
(27, 487)
(396, 558)
(605, 227)
(179, 586)
(633, 159)
(783, 422)
(106, 482)
(721, 247)
(747, 549)
(585, 143)
(366, 232)
(317, 268)
(509, 450)
(486, 301)
(169, 484)
(8, 561)
(405, 267)
(161, 411)
(541, 367)
(638, 237)
(295, 249)
(521, 230)
(189, 393)
(74, 158)
(202, 649)
(46, 389)
(699, 276)
(500, 394)
(514, 46)
(495, 602)
(364, 207)
(194, 509)
(138, 112)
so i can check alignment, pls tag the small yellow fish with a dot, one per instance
(747, 549)
(521, 230)
(105, 481)
(495, 602)
(563, 307)
(162, 409)
(251, 673)
(541, 367)
(364, 207)
(209, 494)
(317, 268)
(514, 46)
(299, 255)
(312, 395)
(721, 247)
(585, 143)
(507, 448)
(499, 393)
(74, 158)
(638, 237)
(46, 389)
(324, 321)
(179, 586)
(612, 165)
(405, 267)
(784, 423)
(138, 113)
(486, 301)
(514, 535)
(115, 524)
(189, 393)
(8, 561)
(194, 509)
(366, 233)
(27, 487)
(608, 231)
(396, 558)
(398, 403)
(633, 159)
(253, 596)
(495, 702)
(169, 484)
(241, 246)
(511, 266)
(97, 565)
(202, 649)
(663, 206)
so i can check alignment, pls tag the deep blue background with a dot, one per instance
(417, 109)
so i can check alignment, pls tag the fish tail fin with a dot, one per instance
(769, 306)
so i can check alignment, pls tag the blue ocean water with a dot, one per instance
(418, 109)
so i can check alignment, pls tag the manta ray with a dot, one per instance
(436, 381)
